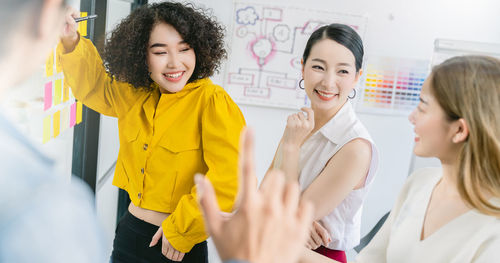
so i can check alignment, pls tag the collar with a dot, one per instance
(187, 88)
(337, 127)
(193, 85)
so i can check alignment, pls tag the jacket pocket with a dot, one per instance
(179, 145)
(185, 157)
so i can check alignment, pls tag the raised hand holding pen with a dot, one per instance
(69, 36)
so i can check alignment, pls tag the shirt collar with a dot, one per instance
(193, 85)
(187, 88)
(337, 127)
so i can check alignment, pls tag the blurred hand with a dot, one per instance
(69, 36)
(268, 226)
(319, 236)
(166, 248)
(298, 127)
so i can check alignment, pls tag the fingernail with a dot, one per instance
(151, 244)
(198, 180)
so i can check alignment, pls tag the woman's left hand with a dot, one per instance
(319, 236)
(166, 248)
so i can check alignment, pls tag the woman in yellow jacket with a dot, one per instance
(173, 122)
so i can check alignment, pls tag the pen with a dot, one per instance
(79, 19)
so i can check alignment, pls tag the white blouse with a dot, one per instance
(344, 222)
(471, 237)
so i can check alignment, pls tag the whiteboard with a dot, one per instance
(267, 42)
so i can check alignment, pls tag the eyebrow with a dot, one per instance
(165, 45)
(318, 60)
(422, 100)
(158, 45)
(324, 62)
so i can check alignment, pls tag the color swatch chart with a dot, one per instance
(392, 85)
(61, 110)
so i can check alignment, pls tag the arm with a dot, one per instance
(345, 171)
(277, 159)
(221, 123)
(286, 158)
(85, 74)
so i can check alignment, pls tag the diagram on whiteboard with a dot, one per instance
(264, 66)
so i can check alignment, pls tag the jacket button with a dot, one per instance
(139, 195)
(142, 170)
(145, 147)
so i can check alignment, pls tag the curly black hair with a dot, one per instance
(125, 52)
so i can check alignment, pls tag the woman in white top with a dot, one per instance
(450, 214)
(329, 152)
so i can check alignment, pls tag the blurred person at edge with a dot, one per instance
(43, 218)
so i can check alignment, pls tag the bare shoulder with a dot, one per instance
(357, 149)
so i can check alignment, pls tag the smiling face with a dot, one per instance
(329, 75)
(171, 61)
(433, 131)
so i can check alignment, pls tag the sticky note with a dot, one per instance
(72, 115)
(82, 26)
(57, 123)
(57, 91)
(46, 129)
(49, 65)
(78, 112)
(65, 91)
(48, 95)
(64, 119)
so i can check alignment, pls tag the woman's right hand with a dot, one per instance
(69, 36)
(298, 127)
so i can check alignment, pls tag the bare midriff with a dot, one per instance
(150, 216)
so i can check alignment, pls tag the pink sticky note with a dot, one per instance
(48, 95)
(72, 115)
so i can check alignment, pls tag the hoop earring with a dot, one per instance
(352, 97)
(301, 81)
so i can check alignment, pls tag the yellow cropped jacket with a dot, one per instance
(165, 139)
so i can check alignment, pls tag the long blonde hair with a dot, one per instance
(468, 87)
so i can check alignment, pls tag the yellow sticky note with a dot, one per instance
(65, 91)
(82, 26)
(46, 129)
(57, 123)
(57, 91)
(49, 65)
(78, 112)
(58, 65)
(64, 119)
